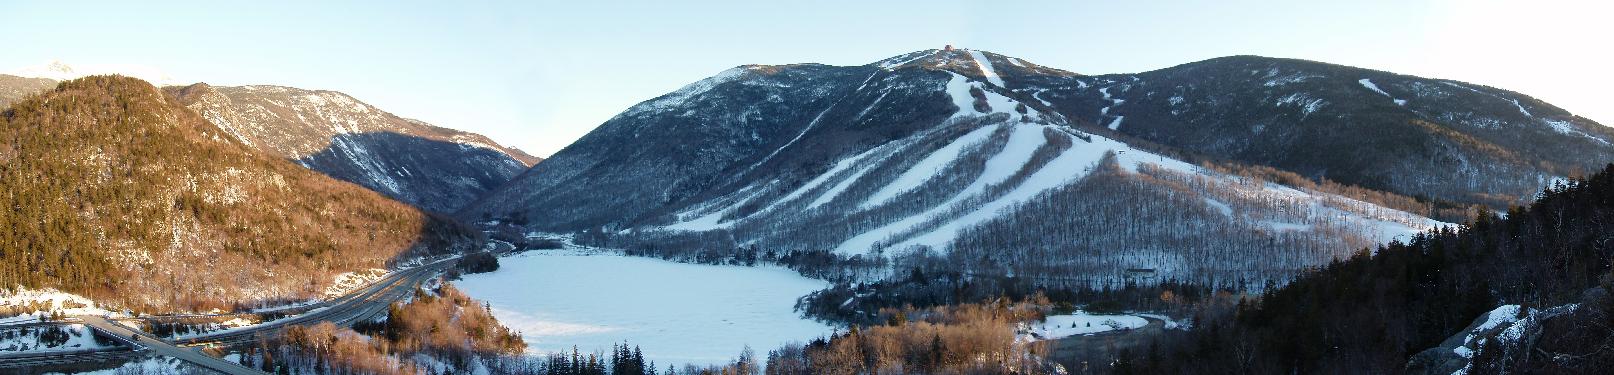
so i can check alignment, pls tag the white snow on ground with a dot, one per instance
(899, 61)
(810, 125)
(234, 324)
(986, 68)
(1169, 322)
(18, 340)
(714, 219)
(1081, 323)
(47, 300)
(1219, 207)
(928, 168)
(959, 89)
(1562, 127)
(1017, 62)
(1521, 107)
(148, 365)
(1307, 104)
(678, 313)
(843, 165)
(1116, 123)
(1370, 86)
(835, 191)
(1071, 165)
(1038, 95)
(675, 98)
(1505, 314)
(1023, 142)
(863, 168)
(348, 281)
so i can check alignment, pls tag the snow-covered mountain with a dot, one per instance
(1423, 137)
(434, 168)
(943, 152)
(57, 70)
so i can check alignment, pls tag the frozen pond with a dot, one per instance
(677, 313)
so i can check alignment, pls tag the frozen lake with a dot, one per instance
(677, 313)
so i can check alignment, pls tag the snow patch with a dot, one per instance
(928, 168)
(349, 281)
(1370, 86)
(986, 68)
(676, 98)
(1081, 323)
(1116, 123)
(45, 301)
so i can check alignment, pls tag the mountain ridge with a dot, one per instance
(917, 156)
(124, 195)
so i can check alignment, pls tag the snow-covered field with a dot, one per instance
(678, 313)
(40, 339)
(1081, 323)
(30, 304)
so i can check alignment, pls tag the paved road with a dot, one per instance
(160, 347)
(363, 304)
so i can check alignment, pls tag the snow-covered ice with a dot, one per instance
(678, 313)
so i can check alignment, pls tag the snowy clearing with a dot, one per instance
(349, 281)
(678, 313)
(1081, 323)
(45, 339)
(33, 303)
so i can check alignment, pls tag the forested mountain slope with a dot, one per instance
(1430, 138)
(434, 168)
(13, 88)
(925, 154)
(120, 193)
(1431, 305)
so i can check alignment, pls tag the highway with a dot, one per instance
(159, 347)
(365, 303)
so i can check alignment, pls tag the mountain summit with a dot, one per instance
(1011, 167)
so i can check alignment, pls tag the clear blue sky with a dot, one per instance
(538, 75)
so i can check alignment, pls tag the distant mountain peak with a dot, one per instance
(986, 66)
(62, 71)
